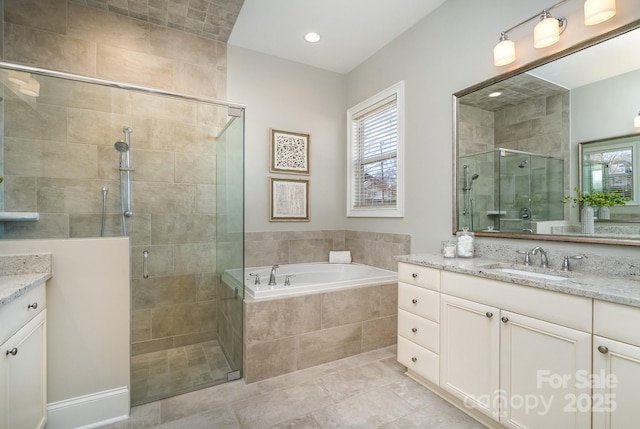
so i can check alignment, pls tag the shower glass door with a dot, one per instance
(92, 159)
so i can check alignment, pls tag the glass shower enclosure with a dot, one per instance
(84, 158)
(510, 191)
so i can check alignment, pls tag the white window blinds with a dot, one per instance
(375, 137)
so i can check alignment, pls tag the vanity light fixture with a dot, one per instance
(312, 37)
(597, 11)
(636, 121)
(548, 30)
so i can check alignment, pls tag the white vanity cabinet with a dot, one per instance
(514, 353)
(418, 320)
(23, 382)
(616, 366)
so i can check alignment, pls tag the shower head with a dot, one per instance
(121, 146)
(475, 176)
(523, 163)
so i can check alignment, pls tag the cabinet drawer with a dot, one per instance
(420, 276)
(419, 301)
(616, 321)
(17, 313)
(421, 331)
(419, 360)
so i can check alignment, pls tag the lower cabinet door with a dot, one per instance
(469, 353)
(544, 374)
(23, 382)
(418, 359)
(616, 377)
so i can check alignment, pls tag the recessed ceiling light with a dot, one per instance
(495, 94)
(312, 37)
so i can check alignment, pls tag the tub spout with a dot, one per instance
(272, 276)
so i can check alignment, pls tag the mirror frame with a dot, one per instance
(530, 66)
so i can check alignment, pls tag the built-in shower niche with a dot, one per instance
(509, 191)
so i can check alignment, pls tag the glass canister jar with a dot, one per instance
(465, 239)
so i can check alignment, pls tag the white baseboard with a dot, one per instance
(89, 411)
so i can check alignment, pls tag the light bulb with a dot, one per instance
(546, 32)
(597, 11)
(505, 52)
(636, 121)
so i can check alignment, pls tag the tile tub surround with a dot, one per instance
(291, 247)
(20, 273)
(288, 334)
(621, 289)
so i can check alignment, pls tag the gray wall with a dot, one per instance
(449, 50)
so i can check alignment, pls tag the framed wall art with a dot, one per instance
(289, 200)
(289, 152)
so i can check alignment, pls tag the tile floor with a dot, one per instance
(368, 390)
(156, 375)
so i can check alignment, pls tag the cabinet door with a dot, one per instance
(544, 370)
(469, 353)
(23, 381)
(616, 371)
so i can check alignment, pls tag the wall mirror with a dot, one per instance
(526, 139)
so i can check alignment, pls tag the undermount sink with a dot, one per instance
(531, 272)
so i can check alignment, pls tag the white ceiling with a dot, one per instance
(351, 30)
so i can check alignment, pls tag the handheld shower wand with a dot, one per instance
(124, 148)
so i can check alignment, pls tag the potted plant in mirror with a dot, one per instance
(588, 200)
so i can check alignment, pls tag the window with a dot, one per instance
(376, 143)
(609, 166)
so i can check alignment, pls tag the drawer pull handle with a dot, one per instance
(414, 359)
(415, 301)
(603, 349)
(12, 352)
(414, 275)
(489, 314)
(505, 319)
(414, 330)
(34, 305)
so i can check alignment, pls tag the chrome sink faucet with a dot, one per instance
(272, 276)
(544, 262)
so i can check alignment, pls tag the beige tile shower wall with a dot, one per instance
(288, 334)
(292, 247)
(475, 130)
(68, 37)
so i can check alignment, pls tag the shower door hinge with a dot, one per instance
(234, 375)
(234, 111)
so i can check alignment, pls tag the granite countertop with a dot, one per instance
(605, 287)
(20, 273)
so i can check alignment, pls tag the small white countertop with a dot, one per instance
(12, 287)
(606, 287)
(20, 273)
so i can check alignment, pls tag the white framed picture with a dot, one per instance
(289, 200)
(289, 152)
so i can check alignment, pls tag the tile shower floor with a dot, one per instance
(159, 374)
(365, 391)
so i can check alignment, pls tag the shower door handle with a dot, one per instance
(145, 268)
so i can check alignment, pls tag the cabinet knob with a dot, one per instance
(415, 301)
(414, 359)
(34, 305)
(603, 349)
(505, 319)
(12, 352)
(414, 330)
(414, 275)
(489, 314)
